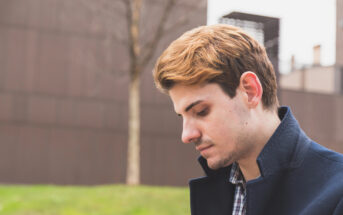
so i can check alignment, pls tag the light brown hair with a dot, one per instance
(216, 54)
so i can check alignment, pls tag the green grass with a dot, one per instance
(96, 200)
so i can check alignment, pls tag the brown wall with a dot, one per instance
(63, 95)
(339, 47)
(339, 32)
(320, 116)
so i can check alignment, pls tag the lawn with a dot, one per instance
(94, 200)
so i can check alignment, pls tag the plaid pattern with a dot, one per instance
(239, 202)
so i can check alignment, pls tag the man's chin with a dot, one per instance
(214, 165)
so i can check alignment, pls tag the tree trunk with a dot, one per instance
(140, 55)
(136, 66)
(133, 157)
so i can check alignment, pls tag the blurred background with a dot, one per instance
(70, 70)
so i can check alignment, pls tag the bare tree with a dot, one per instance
(141, 52)
(137, 65)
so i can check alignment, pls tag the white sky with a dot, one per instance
(303, 24)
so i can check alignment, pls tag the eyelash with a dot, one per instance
(204, 112)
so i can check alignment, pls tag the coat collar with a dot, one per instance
(284, 149)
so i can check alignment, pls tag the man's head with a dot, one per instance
(223, 85)
(216, 54)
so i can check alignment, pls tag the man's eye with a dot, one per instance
(204, 112)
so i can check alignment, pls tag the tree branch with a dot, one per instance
(182, 21)
(151, 46)
(130, 42)
(104, 7)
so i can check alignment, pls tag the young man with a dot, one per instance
(256, 158)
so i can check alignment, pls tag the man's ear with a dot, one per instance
(251, 86)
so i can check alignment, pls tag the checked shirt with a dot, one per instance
(239, 202)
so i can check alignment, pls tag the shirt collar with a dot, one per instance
(236, 176)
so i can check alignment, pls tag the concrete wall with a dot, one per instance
(320, 79)
(293, 81)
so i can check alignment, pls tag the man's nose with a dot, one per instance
(190, 133)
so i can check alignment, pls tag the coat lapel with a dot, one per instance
(215, 191)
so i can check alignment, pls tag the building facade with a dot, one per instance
(317, 78)
(265, 29)
(64, 94)
(339, 46)
(311, 78)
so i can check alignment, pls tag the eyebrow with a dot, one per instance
(192, 105)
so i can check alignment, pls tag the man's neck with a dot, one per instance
(250, 171)
(248, 165)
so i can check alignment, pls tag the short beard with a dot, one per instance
(243, 149)
(221, 163)
(224, 162)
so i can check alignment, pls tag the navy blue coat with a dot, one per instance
(298, 177)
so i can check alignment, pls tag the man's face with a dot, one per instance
(217, 124)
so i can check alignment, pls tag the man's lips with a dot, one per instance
(203, 148)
